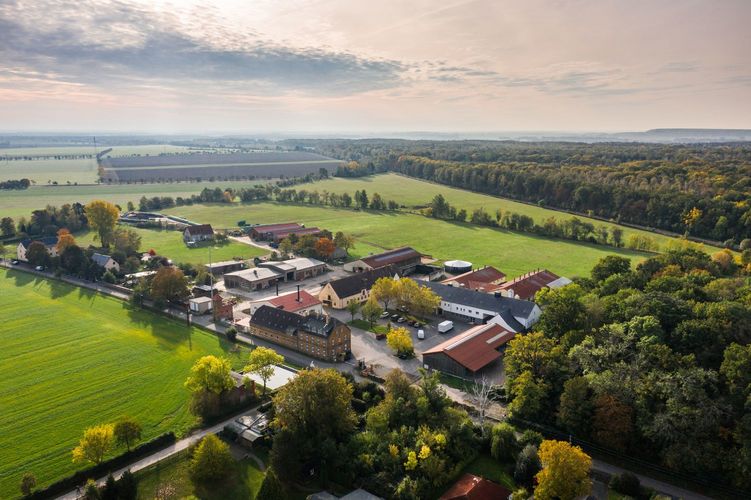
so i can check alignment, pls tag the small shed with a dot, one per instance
(200, 305)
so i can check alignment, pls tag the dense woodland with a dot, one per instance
(704, 190)
(653, 362)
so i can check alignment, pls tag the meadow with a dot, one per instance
(512, 252)
(71, 358)
(170, 244)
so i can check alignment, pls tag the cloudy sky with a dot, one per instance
(354, 66)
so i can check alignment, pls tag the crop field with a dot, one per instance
(48, 171)
(512, 252)
(21, 203)
(414, 193)
(170, 244)
(70, 359)
(260, 164)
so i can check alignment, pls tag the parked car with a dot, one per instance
(421, 334)
(380, 336)
(394, 317)
(384, 314)
(14, 262)
(400, 319)
(39, 268)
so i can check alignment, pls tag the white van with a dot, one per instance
(445, 326)
(421, 334)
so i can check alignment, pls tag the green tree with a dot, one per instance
(562, 310)
(529, 396)
(533, 352)
(262, 362)
(610, 265)
(576, 408)
(28, 483)
(102, 217)
(94, 444)
(503, 444)
(126, 241)
(127, 431)
(271, 487)
(353, 307)
(169, 285)
(527, 466)
(7, 227)
(210, 374)
(211, 462)
(37, 254)
(565, 471)
(371, 311)
(344, 241)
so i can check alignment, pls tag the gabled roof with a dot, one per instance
(267, 228)
(100, 259)
(353, 285)
(200, 229)
(391, 257)
(475, 348)
(290, 323)
(300, 231)
(289, 301)
(527, 285)
(48, 241)
(471, 487)
(254, 274)
(509, 309)
(485, 279)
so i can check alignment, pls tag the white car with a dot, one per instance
(39, 268)
(421, 334)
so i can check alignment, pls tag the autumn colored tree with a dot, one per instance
(262, 362)
(210, 374)
(94, 444)
(385, 290)
(127, 431)
(612, 424)
(64, 240)
(344, 241)
(324, 248)
(565, 471)
(169, 285)
(400, 341)
(102, 217)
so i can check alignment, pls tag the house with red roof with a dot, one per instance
(299, 302)
(471, 487)
(488, 279)
(525, 287)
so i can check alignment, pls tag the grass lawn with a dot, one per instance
(418, 193)
(171, 245)
(175, 471)
(364, 325)
(512, 252)
(490, 468)
(70, 359)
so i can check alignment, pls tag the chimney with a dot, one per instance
(298, 292)
(277, 288)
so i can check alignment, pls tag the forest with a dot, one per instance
(701, 190)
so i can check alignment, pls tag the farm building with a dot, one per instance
(200, 305)
(477, 307)
(106, 262)
(405, 259)
(487, 279)
(355, 288)
(457, 266)
(299, 302)
(223, 306)
(319, 336)
(226, 266)
(468, 352)
(471, 487)
(280, 235)
(201, 232)
(266, 232)
(50, 243)
(296, 269)
(525, 287)
(256, 278)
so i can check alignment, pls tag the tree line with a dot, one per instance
(15, 184)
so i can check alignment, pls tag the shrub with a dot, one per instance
(527, 466)
(503, 444)
(627, 484)
(271, 488)
(530, 437)
(231, 333)
(108, 277)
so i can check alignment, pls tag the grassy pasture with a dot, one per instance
(170, 244)
(512, 252)
(41, 172)
(70, 358)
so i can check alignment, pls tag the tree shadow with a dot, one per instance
(170, 333)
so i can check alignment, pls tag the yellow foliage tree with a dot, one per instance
(565, 471)
(102, 216)
(400, 341)
(94, 444)
(64, 240)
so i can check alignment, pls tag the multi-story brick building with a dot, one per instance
(317, 335)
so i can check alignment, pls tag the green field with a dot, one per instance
(418, 193)
(42, 172)
(512, 252)
(18, 204)
(70, 358)
(170, 244)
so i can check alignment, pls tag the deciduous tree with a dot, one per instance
(127, 431)
(211, 461)
(262, 361)
(210, 374)
(102, 217)
(565, 471)
(371, 311)
(94, 444)
(169, 284)
(400, 341)
(353, 307)
(64, 240)
(385, 290)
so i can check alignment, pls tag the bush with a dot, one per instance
(231, 333)
(527, 466)
(503, 444)
(626, 483)
(271, 488)
(530, 437)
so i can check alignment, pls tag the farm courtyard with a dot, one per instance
(71, 359)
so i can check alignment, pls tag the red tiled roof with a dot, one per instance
(391, 257)
(300, 231)
(487, 279)
(475, 348)
(200, 229)
(289, 302)
(526, 286)
(471, 487)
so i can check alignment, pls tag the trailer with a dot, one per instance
(445, 326)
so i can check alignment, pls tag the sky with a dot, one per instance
(363, 67)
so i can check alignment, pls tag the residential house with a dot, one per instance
(467, 353)
(471, 487)
(49, 242)
(106, 262)
(404, 259)
(488, 279)
(318, 336)
(525, 287)
(477, 307)
(201, 232)
(355, 288)
(299, 302)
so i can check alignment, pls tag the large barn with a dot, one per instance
(404, 259)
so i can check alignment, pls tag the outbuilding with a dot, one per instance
(200, 305)
(457, 266)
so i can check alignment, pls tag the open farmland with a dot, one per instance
(258, 164)
(512, 252)
(70, 359)
(170, 244)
